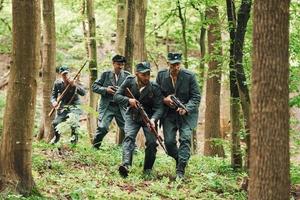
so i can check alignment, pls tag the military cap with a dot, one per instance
(142, 67)
(174, 58)
(63, 69)
(119, 59)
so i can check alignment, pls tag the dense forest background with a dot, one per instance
(219, 167)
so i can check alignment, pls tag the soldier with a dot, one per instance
(68, 104)
(148, 95)
(183, 84)
(106, 86)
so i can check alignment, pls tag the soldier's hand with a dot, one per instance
(133, 103)
(71, 82)
(151, 124)
(110, 90)
(55, 105)
(181, 111)
(168, 101)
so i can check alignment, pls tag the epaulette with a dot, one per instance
(130, 77)
(154, 84)
(126, 72)
(187, 72)
(162, 70)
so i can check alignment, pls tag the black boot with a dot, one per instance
(55, 139)
(180, 170)
(123, 170)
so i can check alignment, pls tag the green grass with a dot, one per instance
(66, 172)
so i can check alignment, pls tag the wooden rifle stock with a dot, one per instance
(146, 120)
(59, 98)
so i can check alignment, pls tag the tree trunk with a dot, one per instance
(129, 40)
(140, 53)
(16, 143)
(48, 62)
(182, 18)
(236, 154)
(212, 112)
(242, 20)
(85, 31)
(91, 118)
(269, 167)
(121, 26)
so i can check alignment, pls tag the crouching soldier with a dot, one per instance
(148, 96)
(68, 104)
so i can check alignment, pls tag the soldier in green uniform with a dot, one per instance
(183, 84)
(148, 94)
(68, 104)
(106, 86)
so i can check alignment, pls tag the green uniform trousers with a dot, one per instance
(131, 130)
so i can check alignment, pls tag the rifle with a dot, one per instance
(59, 98)
(146, 120)
(178, 103)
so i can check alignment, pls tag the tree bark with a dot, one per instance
(182, 18)
(48, 66)
(236, 154)
(129, 40)
(16, 143)
(242, 20)
(91, 118)
(140, 53)
(269, 167)
(121, 12)
(212, 112)
(84, 29)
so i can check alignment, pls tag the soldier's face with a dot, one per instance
(65, 77)
(143, 78)
(174, 68)
(118, 67)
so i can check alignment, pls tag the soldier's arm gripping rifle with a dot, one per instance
(60, 97)
(146, 120)
(178, 103)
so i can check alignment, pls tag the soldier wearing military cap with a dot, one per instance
(106, 86)
(148, 95)
(183, 84)
(68, 104)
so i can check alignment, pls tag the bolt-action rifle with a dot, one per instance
(146, 120)
(60, 97)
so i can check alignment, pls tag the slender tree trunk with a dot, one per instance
(121, 12)
(242, 20)
(91, 119)
(129, 40)
(236, 154)
(270, 162)
(182, 18)
(16, 143)
(85, 31)
(48, 62)
(212, 112)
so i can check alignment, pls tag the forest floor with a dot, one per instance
(63, 171)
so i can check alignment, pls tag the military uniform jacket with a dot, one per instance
(72, 95)
(186, 90)
(99, 86)
(150, 98)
